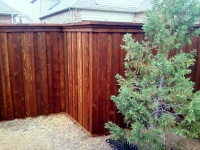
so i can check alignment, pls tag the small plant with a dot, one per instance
(155, 96)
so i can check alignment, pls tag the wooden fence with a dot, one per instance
(47, 69)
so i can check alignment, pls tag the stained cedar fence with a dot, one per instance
(47, 69)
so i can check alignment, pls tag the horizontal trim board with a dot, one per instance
(89, 26)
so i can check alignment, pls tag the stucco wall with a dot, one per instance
(65, 17)
(5, 19)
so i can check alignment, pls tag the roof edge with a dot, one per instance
(54, 13)
(104, 9)
(32, 1)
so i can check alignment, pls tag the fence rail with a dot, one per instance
(47, 69)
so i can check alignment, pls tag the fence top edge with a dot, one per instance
(84, 23)
(89, 26)
(78, 24)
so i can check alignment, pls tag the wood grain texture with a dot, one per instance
(68, 81)
(63, 89)
(109, 77)
(91, 77)
(55, 72)
(2, 103)
(41, 75)
(29, 74)
(49, 57)
(102, 79)
(80, 78)
(74, 70)
(5, 79)
(16, 74)
(65, 73)
(95, 74)
(67, 68)
(85, 49)
(197, 77)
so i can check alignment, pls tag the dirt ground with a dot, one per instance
(56, 132)
(182, 143)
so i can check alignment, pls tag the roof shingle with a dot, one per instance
(5, 9)
(105, 5)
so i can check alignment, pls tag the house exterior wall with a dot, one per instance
(121, 3)
(22, 20)
(5, 19)
(139, 17)
(36, 7)
(46, 4)
(88, 15)
(39, 7)
(65, 17)
(95, 15)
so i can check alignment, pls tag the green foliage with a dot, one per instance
(155, 96)
(116, 132)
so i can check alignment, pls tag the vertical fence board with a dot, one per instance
(116, 55)
(80, 77)
(108, 84)
(91, 61)
(25, 63)
(114, 71)
(65, 73)
(95, 74)
(85, 48)
(16, 74)
(5, 74)
(102, 79)
(2, 103)
(74, 99)
(49, 71)
(31, 54)
(63, 90)
(197, 78)
(41, 75)
(69, 68)
(29, 74)
(55, 73)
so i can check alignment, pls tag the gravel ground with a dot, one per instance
(47, 133)
(58, 132)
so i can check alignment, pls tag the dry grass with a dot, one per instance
(47, 133)
(182, 143)
(59, 132)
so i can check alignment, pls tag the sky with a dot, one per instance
(24, 6)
